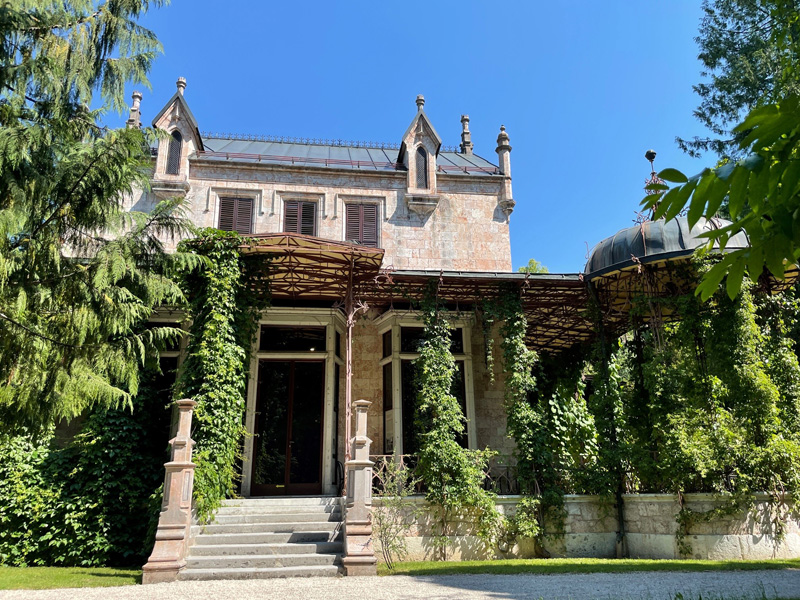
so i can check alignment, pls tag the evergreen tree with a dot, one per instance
(745, 46)
(79, 276)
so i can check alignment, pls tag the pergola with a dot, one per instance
(304, 268)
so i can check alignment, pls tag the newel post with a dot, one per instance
(174, 523)
(359, 556)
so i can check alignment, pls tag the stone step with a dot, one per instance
(269, 538)
(262, 561)
(277, 572)
(285, 501)
(311, 517)
(322, 509)
(279, 527)
(265, 549)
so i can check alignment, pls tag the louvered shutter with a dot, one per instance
(308, 218)
(361, 224)
(244, 216)
(227, 214)
(291, 217)
(353, 223)
(422, 168)
(369, 225)
(174, 153)
(300, 217)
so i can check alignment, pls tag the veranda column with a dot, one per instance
(174, 523)
(359, 554)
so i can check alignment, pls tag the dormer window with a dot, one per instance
(174, 153)
(422, 168)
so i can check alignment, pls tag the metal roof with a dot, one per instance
(654, 241)
(334, 156)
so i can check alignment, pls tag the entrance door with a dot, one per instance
(287, 449)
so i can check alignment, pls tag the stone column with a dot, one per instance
(174, 523)
(359, 556)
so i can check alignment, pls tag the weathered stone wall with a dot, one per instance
(590, 530)
(490, 412)
(467, 230)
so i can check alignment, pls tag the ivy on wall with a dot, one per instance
(554, 433)
(453, 476)
(224, 309)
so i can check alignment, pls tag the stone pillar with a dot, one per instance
(174, 523)
(359, 556)
(507, 202)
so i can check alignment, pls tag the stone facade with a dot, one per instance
(460, 222)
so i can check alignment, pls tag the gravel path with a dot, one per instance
(656, 586)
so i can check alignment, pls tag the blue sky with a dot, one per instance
(584, 88)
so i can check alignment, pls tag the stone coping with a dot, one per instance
(581, 498)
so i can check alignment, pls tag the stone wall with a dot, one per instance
(467, 231)
(590, 530)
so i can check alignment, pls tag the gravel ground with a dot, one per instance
(655, 586)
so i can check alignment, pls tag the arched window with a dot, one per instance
(422, 168)
(174, 154)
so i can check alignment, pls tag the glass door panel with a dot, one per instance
(287, 449)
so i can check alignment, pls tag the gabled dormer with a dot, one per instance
(172, 163)
(419, 150)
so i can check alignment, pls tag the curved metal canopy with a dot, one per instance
(654, 241)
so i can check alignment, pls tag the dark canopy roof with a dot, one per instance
(653, 241)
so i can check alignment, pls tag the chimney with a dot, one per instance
(466, 137)
(507, 202)
(181, 84)
(135, 117)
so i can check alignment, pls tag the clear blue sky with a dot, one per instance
(584, 88)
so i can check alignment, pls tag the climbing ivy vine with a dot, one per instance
(554, 433)
(224, 312)
(453, 476)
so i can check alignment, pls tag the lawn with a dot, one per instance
(549, 566)
(42, 578)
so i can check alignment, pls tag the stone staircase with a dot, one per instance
(261, 538)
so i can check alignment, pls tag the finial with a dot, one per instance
(650, 155)
(502, 139)
(134, 117)
(466, 139)
(181, 84)
(420, 101)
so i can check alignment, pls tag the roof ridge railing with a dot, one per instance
(285, 139)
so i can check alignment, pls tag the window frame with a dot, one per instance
(236, 197)
(300, 201)
(174, 145)
(422, 154)
(393, 322)
(361, 204)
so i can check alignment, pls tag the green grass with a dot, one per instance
(549, 566)
(43, 578)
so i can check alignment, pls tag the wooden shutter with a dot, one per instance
(227, 214)
(361, 224)
(369, 225)
(236, 214)
(353, 223)
(300, 217)
(308, 218)
(290, 217)
(244, 216)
